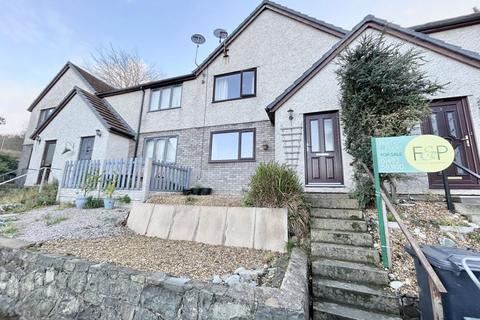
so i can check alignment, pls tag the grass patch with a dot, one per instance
(449, 222)
(50, 221)
(28, 198)
(9, 230)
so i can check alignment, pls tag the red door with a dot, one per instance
(450, 119)
(323, 154)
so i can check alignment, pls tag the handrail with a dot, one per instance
(428, 268)
(472, 173)
(6, 173)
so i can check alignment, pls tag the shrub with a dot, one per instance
(383, 93)
(276, 186)
(93, 203)
(125, 199)
(29, 198)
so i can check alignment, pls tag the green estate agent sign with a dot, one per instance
(406, 154)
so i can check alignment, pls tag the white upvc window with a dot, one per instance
(166, 98)
(161, 149)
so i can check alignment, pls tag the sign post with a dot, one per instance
(405, 154)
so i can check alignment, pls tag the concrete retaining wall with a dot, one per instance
(41, 286)
(259, 228)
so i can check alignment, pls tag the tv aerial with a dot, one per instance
(221, 34)
(198, 39)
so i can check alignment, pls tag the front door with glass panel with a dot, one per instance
(450, 119)
(47, 160)
(322, 149)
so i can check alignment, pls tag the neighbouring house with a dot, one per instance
(268, 93)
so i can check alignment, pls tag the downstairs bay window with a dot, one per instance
(162, 149)
(232, 145)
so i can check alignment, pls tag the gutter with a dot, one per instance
(137, 136)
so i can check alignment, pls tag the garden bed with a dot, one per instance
(214, 201)
(186, 259)
(423, 219)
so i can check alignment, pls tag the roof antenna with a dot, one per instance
(198, 39)
(221, 34)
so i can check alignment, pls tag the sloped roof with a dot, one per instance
(266, 4)
(95, 84)
(447, 24)
(420, 39)
(100, 107)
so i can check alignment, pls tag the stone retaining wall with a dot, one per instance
(36, 285)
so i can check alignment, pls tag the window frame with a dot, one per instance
(242, 96)
(39, 122)
(239, 148)
(171, 87)
(155, 138)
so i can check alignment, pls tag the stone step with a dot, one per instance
(467, 199)
(470, 211)
(361, 239)
(326, 195)
(333, 203)
(338, 224)
(365, 297)
(336, 213)
(345, 253)
(334, 311)
(349, 271)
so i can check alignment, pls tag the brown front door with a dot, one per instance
(322, 149)
(47, 160)
(450, 119)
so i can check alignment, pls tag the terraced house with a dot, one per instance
(269, 92)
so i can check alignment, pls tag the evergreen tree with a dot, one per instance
(383, 93)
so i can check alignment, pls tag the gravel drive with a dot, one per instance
(177, 258)
(56, 222)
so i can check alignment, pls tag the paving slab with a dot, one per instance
(271, 229)
(211, 225)
(139, 217)
(240, 230)
(13, 243)
(161, 221)
(185, 222)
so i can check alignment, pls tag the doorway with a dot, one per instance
(47, 160)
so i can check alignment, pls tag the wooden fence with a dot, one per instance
(169, 177)
(127, 173)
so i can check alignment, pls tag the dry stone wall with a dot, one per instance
(36, 285)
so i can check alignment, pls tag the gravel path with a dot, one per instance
(178, 258)
(66, 223)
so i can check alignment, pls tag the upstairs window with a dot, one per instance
(44, 114)
(236, 85)
(236, 145)
(166, 98)
(162, 149)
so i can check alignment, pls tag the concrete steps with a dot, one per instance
(469, 210)
(346, 280)
(345, 253)
(349, 271)
(369, 298)
(334, 311)
(336, 213)
(338, 224)
(341, 237)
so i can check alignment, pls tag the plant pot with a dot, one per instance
(196, 191)
(108, 203)
(80, 202)
(205, 191)
(186, 191)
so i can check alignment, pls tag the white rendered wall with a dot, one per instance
(466, 37)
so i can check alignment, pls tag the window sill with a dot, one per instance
(149, 111)
(231, 161)
(234, 99)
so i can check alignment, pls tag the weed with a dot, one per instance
(474, 237)
(93, 203)
(124, 199)
(28, 198)
(449, 222)
(390, 217)
(50, 221)
(431, 196)
(190, 200)
(290, 244)
(9, 230)
(269, 257)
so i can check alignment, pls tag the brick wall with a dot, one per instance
(223, 178)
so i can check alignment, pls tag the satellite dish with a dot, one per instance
(221, 34)
(198, 39)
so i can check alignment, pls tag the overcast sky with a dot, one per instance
(37, 37)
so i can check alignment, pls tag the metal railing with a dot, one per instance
(446, 186)
(435, 284)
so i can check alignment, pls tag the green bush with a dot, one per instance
(125, 199)
(7, 163)
(29, 198)
(276, 186)
(93, 203)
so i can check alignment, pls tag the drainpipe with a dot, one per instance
(137, 137)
